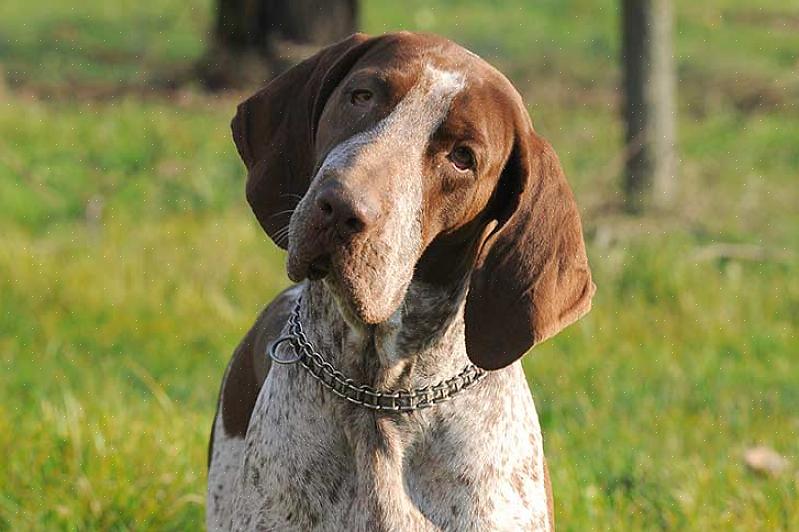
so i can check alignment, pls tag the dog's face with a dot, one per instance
(403, 154)
(385, 151)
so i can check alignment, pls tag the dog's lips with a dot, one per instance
(308, 258)
(367, 295)
(314, 267)
(361, 291)
(318, 268)
(313, 260)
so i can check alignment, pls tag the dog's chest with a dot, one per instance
(303, 468)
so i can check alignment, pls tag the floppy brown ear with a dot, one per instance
(532, 277)
(274, 132)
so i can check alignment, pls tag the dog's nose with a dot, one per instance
(341, 209)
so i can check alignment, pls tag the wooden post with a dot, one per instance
(650, 178)
(254, 40)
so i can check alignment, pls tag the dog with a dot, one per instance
(434, 239)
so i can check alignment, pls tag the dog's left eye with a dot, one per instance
(462, 158)
(360, 96)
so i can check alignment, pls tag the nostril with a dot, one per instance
(325, 207)
(339, 208)
(354, 224)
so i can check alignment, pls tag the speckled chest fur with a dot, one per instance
(313, 460)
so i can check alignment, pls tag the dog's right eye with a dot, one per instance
(462, 158)
(360, 97)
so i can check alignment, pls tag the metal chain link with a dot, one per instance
(364, 395)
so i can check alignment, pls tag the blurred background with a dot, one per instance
(130, 265)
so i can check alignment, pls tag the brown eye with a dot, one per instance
(360, 96)
(462, 158)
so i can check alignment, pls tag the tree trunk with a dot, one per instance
(649, 104)
(254, 40)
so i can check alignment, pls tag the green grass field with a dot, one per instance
(130, 265)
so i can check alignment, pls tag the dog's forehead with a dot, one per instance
(433, 92)
(404, 59)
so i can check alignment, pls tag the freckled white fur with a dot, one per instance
(225, 466)
(410, 475)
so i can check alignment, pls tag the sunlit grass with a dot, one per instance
(130, 266)
(111, 350)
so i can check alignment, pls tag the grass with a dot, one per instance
(130, 265)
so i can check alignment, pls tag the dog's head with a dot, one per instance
(380, 160)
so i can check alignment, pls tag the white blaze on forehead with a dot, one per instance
(443, 86)
(395, 146)
(411, 122)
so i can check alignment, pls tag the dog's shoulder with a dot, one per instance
(249, 366)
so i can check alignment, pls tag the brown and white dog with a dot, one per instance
(428, 226)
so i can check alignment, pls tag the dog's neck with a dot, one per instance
(389, 467)
(421, 344)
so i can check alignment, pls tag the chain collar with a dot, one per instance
(363, 395)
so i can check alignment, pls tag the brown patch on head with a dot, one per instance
(532, 278)
(391, 154)
(274, 131)
(414, 158)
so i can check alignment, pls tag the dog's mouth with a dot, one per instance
(361, 293)
(319, 268)
(367, 276)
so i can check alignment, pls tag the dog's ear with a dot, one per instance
(531, 278)
(274, 132)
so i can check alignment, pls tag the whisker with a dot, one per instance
(282, 235)
(282, 238)
(287, 211)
